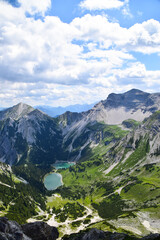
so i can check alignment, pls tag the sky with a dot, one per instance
(66, 52)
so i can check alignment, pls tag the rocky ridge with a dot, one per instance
(134, 104)
(11, 230)
(16, 112)
(96, 234)
(28, 130)
(27, 133)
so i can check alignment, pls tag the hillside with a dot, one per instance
(121, 185)
(114, 185)
(82, 131)
(28, 135)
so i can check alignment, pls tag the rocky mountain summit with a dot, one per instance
(27, 133)
(16, 112)
(134, 104)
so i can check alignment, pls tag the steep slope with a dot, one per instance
(21, 191)
(120, 187)
(27, 134)
(143, 141)
(16, 111)
(134, 104)
(133, 165)
(116, 188)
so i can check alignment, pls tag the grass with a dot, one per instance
(131, 123)
(82, 174)
(132, 160)
(105, 135)
(105, 225)
(140, 192)
(56, 202)
(153, 212)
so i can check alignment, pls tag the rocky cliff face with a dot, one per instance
(16, 112)
(146, 136)
(11, 230)
(27, 133)
(134, 104)
(95, 234)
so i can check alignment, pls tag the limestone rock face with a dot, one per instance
(40, 231)
(16, 112)
(26, 132)
(11, 230)
(96, 234)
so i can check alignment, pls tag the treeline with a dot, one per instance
(20, 200)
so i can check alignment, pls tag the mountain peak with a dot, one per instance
(16, 112)
(134, 91)
(130, 99)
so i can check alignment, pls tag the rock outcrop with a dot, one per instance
(40, 231)
(11, 230)
(27, 133)
(95, 234)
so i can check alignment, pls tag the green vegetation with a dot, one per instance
(111, 207)
(107, 133)
(142, 148)
(19, 200)
(71, 210)
(131, 123)
(115, 199)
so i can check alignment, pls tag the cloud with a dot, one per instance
(49, 60)
(126, 10)
(36, 6)
(101, 4)
(144, 37)
(93, 5)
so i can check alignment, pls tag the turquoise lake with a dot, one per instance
(60, 165)
(54, 180)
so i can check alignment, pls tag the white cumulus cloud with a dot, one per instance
(35, 6)
(101, 4)
(49, 60)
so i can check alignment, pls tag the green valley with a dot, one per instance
(110, 172)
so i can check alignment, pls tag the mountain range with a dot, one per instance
(28, 133)
(114, 185)
(56, 111)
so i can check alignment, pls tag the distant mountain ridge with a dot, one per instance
(56, 111)
(134, 104)
(28, 133)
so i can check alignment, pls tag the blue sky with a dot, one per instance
(65, 52)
